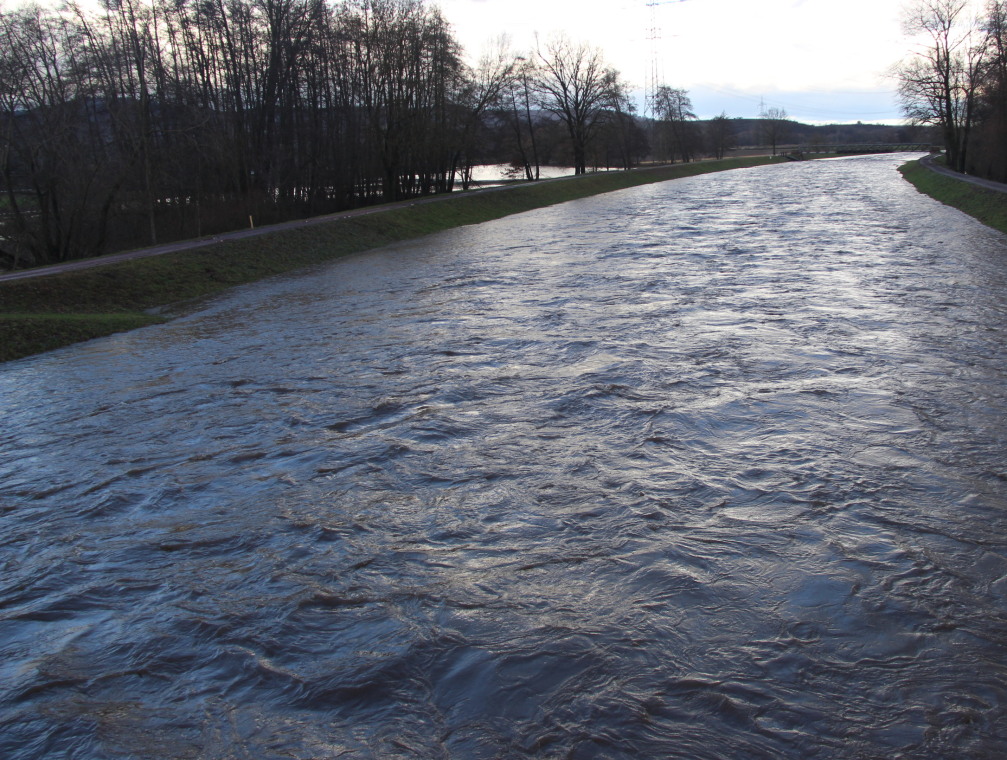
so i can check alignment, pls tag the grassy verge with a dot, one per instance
(24, 334)
(39, 314)
(988, 206)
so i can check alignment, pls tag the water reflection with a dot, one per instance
(704, 469)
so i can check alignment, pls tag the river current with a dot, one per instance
(713, 468)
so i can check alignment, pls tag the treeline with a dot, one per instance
(147, 121)
(753, 132)
(958, 81)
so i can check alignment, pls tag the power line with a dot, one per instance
(655, 68)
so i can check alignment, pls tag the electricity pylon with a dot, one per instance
(655, 68)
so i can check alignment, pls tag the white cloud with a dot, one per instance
(753, 47)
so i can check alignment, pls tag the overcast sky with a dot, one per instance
(821, 60)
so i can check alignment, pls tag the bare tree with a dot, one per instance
(409, 79)
(627, 143)
(774, 125)
(987, 148)
(61, 171)
(939, 83)
(720, 134)
(132, 121)
(576, 85)
(676, 126)
(517, 111)
(488, 85)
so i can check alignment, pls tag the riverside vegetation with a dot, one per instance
(46, 312)
(988, 206)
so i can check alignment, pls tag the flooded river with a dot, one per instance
(712, 468)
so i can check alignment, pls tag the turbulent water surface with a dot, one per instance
(713, 468)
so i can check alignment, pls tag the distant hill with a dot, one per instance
(747, 133)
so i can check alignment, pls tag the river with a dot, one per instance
(712, 468)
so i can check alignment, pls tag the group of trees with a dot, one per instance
(151, 120)
(677, 135)
(957, 81)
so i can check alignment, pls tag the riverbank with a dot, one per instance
(45, 312)
(988, 206)
(711, 468)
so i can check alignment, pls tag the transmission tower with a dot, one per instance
(655, 67)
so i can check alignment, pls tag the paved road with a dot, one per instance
(989, 184)
(187, 245)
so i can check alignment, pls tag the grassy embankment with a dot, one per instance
(988, 206)
(39, 314)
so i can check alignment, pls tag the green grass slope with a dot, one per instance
(39, 314)
(988, 206)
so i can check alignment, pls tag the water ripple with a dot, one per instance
(712, 468)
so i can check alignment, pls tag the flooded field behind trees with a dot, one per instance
(712, 468)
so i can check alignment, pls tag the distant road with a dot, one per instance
(203, 242)
(188, 245)
(928, 161)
